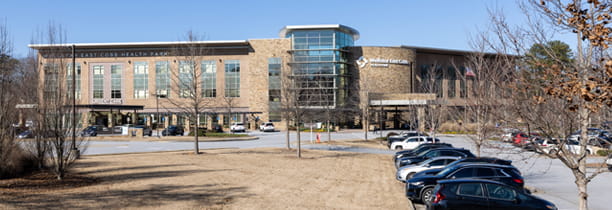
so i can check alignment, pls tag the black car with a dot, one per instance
(493, 160)
(418, 149)
(421, 188)
(90, 131)
(173, 130)
(146, 131)
(402, 136)
(470, 194)
(436, 152)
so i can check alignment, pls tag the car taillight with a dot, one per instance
(518, 181)
(439, 196)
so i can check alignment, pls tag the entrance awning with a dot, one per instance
(110, 106)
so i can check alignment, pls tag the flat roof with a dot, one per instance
(283, 32)
(138, 44)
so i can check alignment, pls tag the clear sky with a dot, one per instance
(445, 24)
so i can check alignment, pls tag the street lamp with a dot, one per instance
(157, 110)
(75, 150)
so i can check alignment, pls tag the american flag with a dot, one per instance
(469, 72)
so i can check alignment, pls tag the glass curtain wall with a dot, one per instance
(319, 67)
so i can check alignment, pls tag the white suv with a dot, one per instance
(267, 126)
(409, 143)
(237, 127)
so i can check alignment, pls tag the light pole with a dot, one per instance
(157, 110)
(75, 150)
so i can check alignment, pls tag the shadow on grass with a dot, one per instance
(125, 168)
(202, 196)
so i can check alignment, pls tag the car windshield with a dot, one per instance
(446, 170)
(269, 124)
(422, 153)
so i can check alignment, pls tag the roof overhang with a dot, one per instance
(283, 32)
(140, 44)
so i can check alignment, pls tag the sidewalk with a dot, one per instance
(166, 138)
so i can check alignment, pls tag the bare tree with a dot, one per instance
(431, 82)
(482, 79)
(56, 113)
(230, 103)
(574, 90)
(8, 114)
(188, 82)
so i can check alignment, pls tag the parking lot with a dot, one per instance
(549, 178)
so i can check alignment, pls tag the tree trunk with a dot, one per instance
(581, 180)
(299, 142)
(288, 135)
(197, 140)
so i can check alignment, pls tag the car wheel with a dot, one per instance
(609, 167)
(588, 152)
(552, 152)
(427, 196)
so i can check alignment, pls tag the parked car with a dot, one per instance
(491, 160)
(509, 134)
(267, 126)
(173, 130)
(217, 128)
(468, 194)
(418, 149)
(91, 130)
(406, 172)
(520, 139)
(402, 136)
(421, 188)
(146, 131)
(572, 146)
(237, 127)
(591, 133)
(25, 134)
(413, 142)
(457, 152)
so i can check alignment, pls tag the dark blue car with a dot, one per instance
(468, 194)
(421, 188)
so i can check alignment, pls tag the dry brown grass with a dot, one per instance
(218, 179)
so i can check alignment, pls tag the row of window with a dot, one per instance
(205, 70)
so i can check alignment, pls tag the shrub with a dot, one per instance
(17, 163)
(225, 135)
(200, 133)
(604, 152)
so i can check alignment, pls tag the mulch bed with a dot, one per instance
(45, 180)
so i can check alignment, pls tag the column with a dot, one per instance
(421, 118)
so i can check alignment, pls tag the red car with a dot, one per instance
(519, 139)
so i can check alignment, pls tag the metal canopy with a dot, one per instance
(110, 106)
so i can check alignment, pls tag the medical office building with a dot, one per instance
(135, 83)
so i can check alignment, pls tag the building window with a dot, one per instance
(77, 80)
(141, 80)
(463, 84)
(451, 84)
(98, 81)
(116, 81)
(162, 79)
(232, 78)
(185, 78)
(209, 79)
(274, 88)
(51, 80)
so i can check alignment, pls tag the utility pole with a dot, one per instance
(75, 150)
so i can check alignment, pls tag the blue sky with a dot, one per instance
(440, 24)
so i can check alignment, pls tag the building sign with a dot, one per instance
(106, 101)
(105, 54)
(380, 62)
